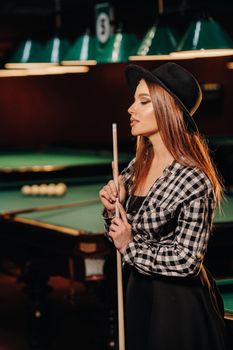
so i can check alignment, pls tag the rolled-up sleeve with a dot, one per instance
(184, 254)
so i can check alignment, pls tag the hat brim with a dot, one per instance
(135, 73)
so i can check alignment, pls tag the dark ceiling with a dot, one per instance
(46, 6)
(22, 7)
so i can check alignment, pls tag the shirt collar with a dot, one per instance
(173, 167)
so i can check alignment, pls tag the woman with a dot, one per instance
(168, 196)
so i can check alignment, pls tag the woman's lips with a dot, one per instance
(133, 122)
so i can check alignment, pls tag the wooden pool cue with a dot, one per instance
(12, 213)
(121, 328)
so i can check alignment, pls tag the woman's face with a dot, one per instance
(142, 115)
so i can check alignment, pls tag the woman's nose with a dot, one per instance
(131, 109)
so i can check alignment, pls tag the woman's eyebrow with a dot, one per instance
(143, 95)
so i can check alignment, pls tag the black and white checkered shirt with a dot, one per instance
(172, 227)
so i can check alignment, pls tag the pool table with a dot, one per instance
(65, 229)
(225, 287)
(71, 231)
(51, 164)
(222, 152)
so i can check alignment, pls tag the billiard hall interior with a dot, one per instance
(62, 91)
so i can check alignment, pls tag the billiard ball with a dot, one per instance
(61, 189)
(42, 190)
(51, 189)
(26, 190)
(35, 190)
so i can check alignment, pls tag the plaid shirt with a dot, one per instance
(172, 227)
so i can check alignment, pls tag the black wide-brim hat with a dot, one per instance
(177, 81)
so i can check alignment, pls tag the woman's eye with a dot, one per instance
(144, 102)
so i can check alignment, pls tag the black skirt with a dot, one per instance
(176, 313)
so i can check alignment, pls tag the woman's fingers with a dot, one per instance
(122, 212)
(104, 195)
(116, 225)
(112, 188)
(120, 232)
(108, 192)
(116, 221)
(106, 200)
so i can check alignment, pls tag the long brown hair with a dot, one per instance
(187, 148)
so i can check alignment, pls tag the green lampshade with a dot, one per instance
(117, 49)
(26, 52)
(81, 52)
(32, 53)
(205, 37)
(53, 50)
(159, 40)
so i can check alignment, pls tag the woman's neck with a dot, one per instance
(162, 157)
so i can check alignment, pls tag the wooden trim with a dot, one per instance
(228, 315)
(47, 226)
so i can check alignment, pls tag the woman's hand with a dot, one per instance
(120, 230)
(108, 195)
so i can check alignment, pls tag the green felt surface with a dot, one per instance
(86, 218)
(226, 289)
(227, 211)
(228, 301)
(21, 160)
(225, 282)
(221, 140)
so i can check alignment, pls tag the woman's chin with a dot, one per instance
(134, 131)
